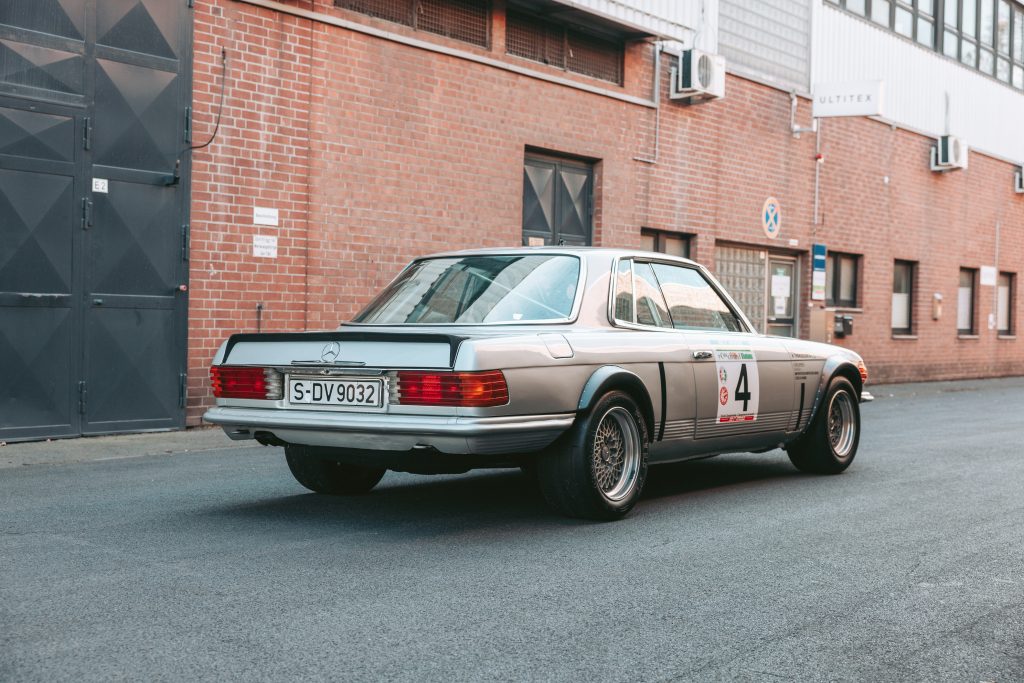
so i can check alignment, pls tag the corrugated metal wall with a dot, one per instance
(986, 113)
(676, 19)
(769, 40)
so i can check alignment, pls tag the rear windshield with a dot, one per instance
(472, 290)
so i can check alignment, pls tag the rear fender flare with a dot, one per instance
(611, 377)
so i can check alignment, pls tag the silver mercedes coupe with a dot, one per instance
(582, 366)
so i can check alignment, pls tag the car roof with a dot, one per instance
(582, 252)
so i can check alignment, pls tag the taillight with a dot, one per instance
(464, 389)
(863, 369)
(244, 381)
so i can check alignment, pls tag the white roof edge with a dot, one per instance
(634, 18)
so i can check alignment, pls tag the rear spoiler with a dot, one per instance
(453, 341)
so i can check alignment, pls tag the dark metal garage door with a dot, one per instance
(94, 101)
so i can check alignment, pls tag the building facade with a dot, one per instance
(279, 162)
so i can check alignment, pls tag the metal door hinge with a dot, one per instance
(185, 241)
(87, 134)
(188, 124)
(182, 390)
(82, 394)
(86, 213)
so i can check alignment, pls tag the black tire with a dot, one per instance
(830, 442)
(317, 472)
(597, 470)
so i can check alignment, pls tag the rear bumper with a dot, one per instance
(383, 432)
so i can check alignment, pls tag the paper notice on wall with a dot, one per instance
(780, 305)
(264, 246)
(262, 215)
(780, 285)
(818, 285)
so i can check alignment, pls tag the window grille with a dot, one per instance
(465, 20)
(562, 47)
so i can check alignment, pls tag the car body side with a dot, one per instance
(554, 372)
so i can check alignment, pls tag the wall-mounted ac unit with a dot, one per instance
(1018, 180)
(698, 77)
(949, 152)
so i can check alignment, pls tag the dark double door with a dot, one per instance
(94, 99)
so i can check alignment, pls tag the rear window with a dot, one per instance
(475, 290)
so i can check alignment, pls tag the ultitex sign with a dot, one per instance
(862, 98)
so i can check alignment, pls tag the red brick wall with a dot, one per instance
(375, 152)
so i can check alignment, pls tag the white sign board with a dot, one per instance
(988, 276)
(860, 98)
(263, 216)
(264, 246)
(100, 185)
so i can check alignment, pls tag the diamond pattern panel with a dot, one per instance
(135, 244)
(137, 116)
(131, 367)
(574, 204)
(538, 198)
(36, 217)
(65, 18)
(37, 136)
(41, 67)
(35, 362)
(146, 26)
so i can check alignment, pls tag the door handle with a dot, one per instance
(701, 355)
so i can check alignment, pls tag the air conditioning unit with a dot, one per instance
(1018, 180)
(949, 152)
(698, 77)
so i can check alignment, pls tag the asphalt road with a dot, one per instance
(216, 565)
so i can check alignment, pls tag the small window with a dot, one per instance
(841, 279)
(965, 301)
(465, 20)
(665, 242)
(903, 297)
(692, 303)
(624, 292)
(1004, 304)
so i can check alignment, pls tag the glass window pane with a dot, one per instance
(880, 12)
(647, 241)
(1003, 70)
(904, 22)
(856, 6)
(950, 43)
(970, 24)
(987, 17)
(925, 32)
(901, 296)
(949, 12)
(969, 53)
(986, 62)
(692, 303)
(677, 246)
(1018, 35)
(830, 280)
(965, 302)
(1018, 76)
(1003, 28)
(848, 280)
(650, 306)
(926, 6)
(624, 292)
(1003, 303)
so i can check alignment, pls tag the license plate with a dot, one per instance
(361, 393)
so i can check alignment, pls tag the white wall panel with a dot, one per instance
(770, 40)
(987, 114)
(678, 20)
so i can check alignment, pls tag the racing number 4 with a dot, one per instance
(742, 392)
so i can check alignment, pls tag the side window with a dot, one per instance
(624, 292)
(650, 306)
(692, 303)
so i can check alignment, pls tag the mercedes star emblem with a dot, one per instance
(331, 352)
